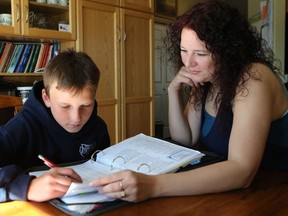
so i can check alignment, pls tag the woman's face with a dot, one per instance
(196, 58)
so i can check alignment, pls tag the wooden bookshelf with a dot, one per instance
(27, 28)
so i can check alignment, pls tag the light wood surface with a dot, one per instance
(120, 41)
(10, 101)
(9, 106)
(268, 195)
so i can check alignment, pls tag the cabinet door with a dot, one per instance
(10, 7)
(41, 20)
(109, 2)
(140, 5)
(99, 37)
(137, 77)
(120, 43)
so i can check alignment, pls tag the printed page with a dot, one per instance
(82, 192)
(88, 171)
(93, 197)
(147, 155)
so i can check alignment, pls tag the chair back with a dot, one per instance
(9, 107)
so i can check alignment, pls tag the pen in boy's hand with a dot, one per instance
(51, 165)
(46, 161)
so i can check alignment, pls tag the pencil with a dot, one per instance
(46, 161)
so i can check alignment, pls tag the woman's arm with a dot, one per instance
(252, 111)
(182, 130)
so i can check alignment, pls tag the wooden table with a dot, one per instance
(9, 106)
(268, 195)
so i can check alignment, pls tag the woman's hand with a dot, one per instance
(126, 185)
(52, 184)
(183, 77)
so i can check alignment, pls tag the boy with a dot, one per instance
(59, 121)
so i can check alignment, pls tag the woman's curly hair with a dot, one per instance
(232, 41)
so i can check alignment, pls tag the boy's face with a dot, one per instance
(70, 110)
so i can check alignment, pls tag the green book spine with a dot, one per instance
(34, 58)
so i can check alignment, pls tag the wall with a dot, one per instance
(183, 5)
(279, 23)
(253, 7)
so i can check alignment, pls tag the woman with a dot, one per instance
(237, 107)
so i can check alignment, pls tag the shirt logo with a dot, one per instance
(86, 150)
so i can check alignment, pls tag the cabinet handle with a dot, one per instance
(27, 14)
(119, 34)
(18, 12)
(124, 38)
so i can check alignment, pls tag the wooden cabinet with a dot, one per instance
(120, 42)
(108, 2)
(139, 5)
(36, 22)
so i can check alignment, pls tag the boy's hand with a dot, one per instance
(52, 184)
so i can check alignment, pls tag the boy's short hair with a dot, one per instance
(71, 70)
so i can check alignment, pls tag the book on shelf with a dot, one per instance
(140, 153)
(50, 54)
(8, 59)
(15, 59)
(45, 55)
(40, 57)
(2, 47)
(29, 59)
(18, 58)
(24, 58)
(34, 58)
(56, 49)
(4, 56)
(11, 58)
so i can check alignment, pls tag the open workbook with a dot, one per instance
(140, 153)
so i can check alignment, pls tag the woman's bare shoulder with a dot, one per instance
(264, 86)
(261, 76)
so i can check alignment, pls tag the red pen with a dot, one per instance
(46, 161)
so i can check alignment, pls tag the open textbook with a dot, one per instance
(140, 153)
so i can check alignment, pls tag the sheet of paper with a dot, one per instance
(86, 198)
(88, 171)
(147, 155)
